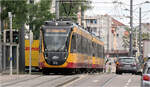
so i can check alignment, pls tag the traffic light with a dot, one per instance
(7, 36)
(15, 37)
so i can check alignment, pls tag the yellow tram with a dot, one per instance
(65, 46)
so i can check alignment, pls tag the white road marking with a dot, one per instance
(113, 77)
(82, 76)
(128, 81)
(95, 81)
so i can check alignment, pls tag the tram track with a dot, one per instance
(46, 81)
(108, 81)
(38, 81)
(57, 82)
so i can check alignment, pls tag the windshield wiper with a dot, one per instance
(60, 49)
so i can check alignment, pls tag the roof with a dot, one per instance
(116, 23)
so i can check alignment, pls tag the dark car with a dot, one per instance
(126, 64)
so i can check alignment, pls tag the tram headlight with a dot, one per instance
(46, 56)
(65, 57)
(56, 23)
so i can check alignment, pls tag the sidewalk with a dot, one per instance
(7, 78)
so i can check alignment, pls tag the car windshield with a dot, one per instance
(148, 60)
(126, 60)
(148, 70)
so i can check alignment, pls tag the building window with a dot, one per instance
(88, 21)
(91, 21)
(94, 29)
(95, 21)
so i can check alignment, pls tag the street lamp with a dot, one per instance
(131, 26)
(140, 21)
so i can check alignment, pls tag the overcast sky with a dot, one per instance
(118, 10)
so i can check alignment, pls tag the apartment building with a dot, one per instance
(108, 30)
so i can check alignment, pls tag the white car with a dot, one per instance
(145, 80)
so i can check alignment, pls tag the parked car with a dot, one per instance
(145, 80)
(127, 64)
(147, 60)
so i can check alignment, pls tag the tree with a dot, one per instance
(40, 12)
(35, 14)
(25, 13)
(145, 36)
(71, 9)
(126, 38)
(18, 9)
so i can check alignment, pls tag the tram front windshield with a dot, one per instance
(56, 40)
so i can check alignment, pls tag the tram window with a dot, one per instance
(78, 43)
(73, 43)
(102, 51)
(88, 47)
(84, 46)
(91, 48)
(98, 50)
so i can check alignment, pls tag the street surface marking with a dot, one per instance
(108, 81)
(95, 81)
(82, 76)
(128, 81)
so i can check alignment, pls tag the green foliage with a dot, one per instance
(40, 12)
(24, 13)
(145, 36)
(126, 39)
(71, 9)
(35, 14)
(18, 9)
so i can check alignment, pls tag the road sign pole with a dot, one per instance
(10, 18)
(17, 59)
(131, 28)
(30, 60)
(57, 9)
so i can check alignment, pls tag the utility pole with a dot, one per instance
(57, 9)
(10, 58)
(79, 16)
(108, 31)
(82, 14)
(131, 27)
(140, 31)
(21, 50)
(53, 5)
(0, 43)
(30, 30)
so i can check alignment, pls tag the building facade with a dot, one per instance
(109, 30)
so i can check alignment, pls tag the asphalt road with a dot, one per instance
(107, 80)
(78, 80)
